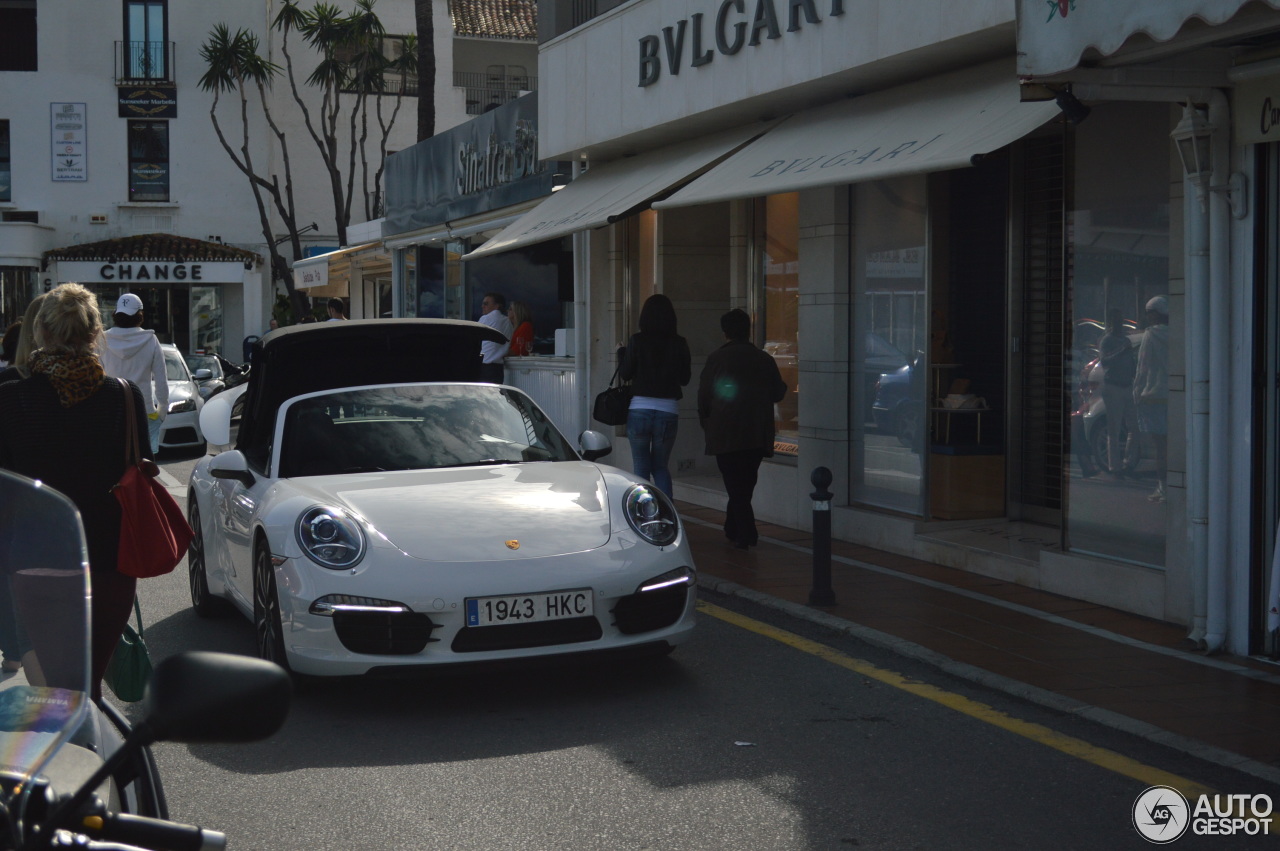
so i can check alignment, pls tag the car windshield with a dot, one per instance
(416, 427)
(205, 362)
(174, 367)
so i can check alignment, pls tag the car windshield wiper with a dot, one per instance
(482, 462)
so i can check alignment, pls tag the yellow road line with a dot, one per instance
(1069, 745)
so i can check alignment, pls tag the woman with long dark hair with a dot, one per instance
(656, 362)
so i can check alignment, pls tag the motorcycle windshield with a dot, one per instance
(44, 622)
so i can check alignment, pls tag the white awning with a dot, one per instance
(1053, 37)
(606, 193)
(930, 125)
(311, 272)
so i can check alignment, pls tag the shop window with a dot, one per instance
(889, 387)
(1118, 365)
(540, 275)
(778, 326)
(148, 161)
(6, 170)
(18, 35)
(144, 40)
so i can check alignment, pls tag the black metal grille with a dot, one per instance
(384, 633)
(1047, 265)
(650, 610)
(473, 639)
(180, 435)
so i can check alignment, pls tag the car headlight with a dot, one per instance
(330, 537)
(182, 406)
(651, 514)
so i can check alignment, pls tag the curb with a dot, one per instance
(998, 682)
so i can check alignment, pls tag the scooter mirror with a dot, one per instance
(215, 697)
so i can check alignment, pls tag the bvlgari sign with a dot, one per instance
(731, 29)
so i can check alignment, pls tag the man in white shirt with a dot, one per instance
(133, 352)
(493, 312)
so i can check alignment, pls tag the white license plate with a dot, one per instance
(528, 608)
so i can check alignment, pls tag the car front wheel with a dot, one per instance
(205, 604)
(266, 608)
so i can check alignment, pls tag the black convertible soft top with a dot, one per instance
(329, 355)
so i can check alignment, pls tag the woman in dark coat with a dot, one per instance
(64, 425)
(656, 362)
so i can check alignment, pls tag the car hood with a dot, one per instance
(498, 513)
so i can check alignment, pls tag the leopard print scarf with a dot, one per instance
(76, 378)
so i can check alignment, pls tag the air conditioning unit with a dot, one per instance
(97, 218)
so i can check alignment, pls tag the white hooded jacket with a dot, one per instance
(134, 353)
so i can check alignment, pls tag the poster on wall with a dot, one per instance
(67, 128)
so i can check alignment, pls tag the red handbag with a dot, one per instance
(154, 534)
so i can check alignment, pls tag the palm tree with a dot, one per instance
(234, 65)
(423, 10)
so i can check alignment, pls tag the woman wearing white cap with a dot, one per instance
(133, 352)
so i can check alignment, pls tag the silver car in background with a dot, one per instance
(181, 429)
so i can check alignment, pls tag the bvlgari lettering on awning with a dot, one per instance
(151, 272)
(729, 37)
(844, 158)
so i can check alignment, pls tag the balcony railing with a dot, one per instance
(485, 91)
(144, 62)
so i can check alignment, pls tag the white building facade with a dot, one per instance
(933, 238)
(106, 137)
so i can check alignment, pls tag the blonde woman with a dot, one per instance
(64, 425)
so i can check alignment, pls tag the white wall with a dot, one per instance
(209, 196)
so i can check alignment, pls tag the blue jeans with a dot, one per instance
(652, 435)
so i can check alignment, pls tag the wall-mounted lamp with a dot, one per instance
(301, 231)
(1193, 137)
(1072, 109)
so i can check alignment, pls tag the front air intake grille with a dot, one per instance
(183, 434)
(473, 639)
(384, 633)
(649, 610)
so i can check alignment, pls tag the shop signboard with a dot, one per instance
(68, 133)
(154, 100)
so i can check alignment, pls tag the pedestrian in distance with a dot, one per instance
(9, 345)
(737, 390)
(656, 361)
(26, 343)
(1119, 363)
(521, 319)
(493, 312)
(1151, 387)
(65, 425)
(337, 310)
(130, 351)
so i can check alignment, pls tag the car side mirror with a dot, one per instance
(202, 374)
(215, 421)
(593, 444)
(231, 465)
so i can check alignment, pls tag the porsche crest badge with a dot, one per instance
(513, 545)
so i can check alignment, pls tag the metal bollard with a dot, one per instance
(821, 594)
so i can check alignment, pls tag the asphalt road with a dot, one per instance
(744, 738)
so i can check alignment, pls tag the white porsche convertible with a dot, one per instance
(380, 509)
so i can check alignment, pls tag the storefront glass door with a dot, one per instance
(889, 419)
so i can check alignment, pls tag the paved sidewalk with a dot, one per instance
(1122, 670)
